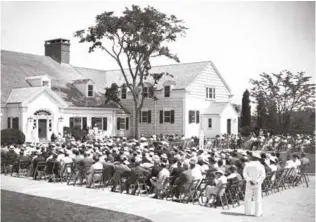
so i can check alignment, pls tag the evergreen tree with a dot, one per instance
(245, 110)
(261, 112)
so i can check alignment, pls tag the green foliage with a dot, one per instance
(12, 136)
(283, 94)
(245, 110)
(133, 40)
(261, 112)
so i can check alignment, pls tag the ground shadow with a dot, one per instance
(234, 214)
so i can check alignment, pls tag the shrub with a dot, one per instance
(77, 133)
(245, 131)
(12, 136)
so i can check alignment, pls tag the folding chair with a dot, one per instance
(233, 192)
(140, 187)
(39, 170)
(301, 178)
(189, 194)
(107, 175)
(267, 183)
(97, 176)
(24, 167)
(200, 192)
(221, 198)
(66, 172)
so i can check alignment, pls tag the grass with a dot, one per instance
(21, 207)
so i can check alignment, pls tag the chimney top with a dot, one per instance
(59, 41)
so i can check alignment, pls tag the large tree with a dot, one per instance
(284, 93)
(245, 110)
(133, 40)
(261, 112)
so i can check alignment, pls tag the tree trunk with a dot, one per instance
(136, 130)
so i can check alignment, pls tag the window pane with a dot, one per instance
(206, 92)
(122, 123)
(77, 122)
(167, 91)
(210, 93)
(90, 90)
(124, 93)
(213, 93)
(209, 123)
(192, 116)
(167, 117)
(97, 122)
(144, 116)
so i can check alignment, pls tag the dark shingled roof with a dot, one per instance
(16, 66)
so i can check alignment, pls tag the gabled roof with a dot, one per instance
(16, 66)
(19, 95)
(82, 81)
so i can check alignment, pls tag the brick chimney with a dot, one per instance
(58, 49)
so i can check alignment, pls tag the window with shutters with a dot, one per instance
(166, 116)
(194, 116)
(124, 93)
(210, 92)
(167, 91)
(210, 123)
(90, 90)
(122, 122)
(145, 116)
(78, 122)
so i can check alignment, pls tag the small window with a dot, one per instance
(167, 91)
(45, 83)
(209, 123)
(191, 116)
(146, 91)
(167, 117)
(90, 90)
(124, 92)
(210, 93)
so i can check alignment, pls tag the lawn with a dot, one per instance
(21, 207)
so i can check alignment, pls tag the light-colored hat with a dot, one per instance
(220, 171)
(256, 155)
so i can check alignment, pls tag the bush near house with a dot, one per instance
(12, 136)
(77, 133)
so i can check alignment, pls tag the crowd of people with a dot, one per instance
(155, 159)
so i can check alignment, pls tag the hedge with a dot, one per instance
(12, 136)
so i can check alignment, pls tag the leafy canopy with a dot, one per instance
(133, 40)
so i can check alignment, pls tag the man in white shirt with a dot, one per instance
(96, 166)
(254, 173)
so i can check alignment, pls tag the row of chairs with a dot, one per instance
(232, 193)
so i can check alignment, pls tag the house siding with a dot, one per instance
(216, 125)
(174, 102)
(229, 113)
(209, 78)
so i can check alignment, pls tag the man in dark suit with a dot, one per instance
(121, 171)
(183, 181)
(136, 172)
(176, 172)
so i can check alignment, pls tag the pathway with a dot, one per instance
(296, 204)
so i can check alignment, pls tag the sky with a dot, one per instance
(243, 39)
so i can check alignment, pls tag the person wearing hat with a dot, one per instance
(136, 173)
(97, 165)
(38, 159)
(121, 170)
(218, 189)
(160, 183)
(233, 174)
(254, 174)
(11, 157)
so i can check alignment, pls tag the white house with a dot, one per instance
(43, 94)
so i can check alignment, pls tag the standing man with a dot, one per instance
(254, 173)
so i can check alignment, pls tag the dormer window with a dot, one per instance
(167, 90)
(45, 83)
(90, 90)
(124, 93)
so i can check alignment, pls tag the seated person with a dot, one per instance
(182, 182)
(121, 170)
(233, 174)
(219, 188)
(160, 183)
(97, 165)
